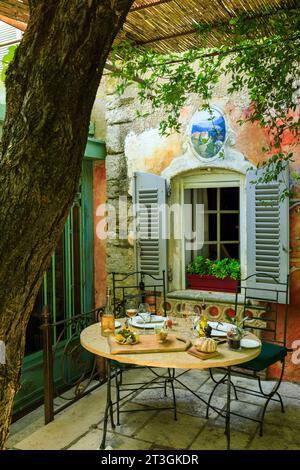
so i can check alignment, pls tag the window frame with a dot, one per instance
(214, 179)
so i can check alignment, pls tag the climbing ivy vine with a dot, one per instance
(260, 55)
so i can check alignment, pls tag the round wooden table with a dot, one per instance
(92, 341)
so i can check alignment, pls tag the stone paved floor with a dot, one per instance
(80, 426)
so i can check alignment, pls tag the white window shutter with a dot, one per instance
(267, 234)
(149, 197)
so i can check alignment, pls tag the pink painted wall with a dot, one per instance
(250, 140)
(99, 197)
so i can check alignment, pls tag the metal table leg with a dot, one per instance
(109, 406)
(172, 375)
(227, 419)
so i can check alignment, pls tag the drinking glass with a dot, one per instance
(144, 313)
(188, 314)
(192, 321)
(130, 308)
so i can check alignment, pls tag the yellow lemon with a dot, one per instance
(119, 338)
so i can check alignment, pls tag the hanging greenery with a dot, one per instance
(262, 56)
(7, 58)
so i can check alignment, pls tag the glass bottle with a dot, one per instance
(203, 321)
(108, 317)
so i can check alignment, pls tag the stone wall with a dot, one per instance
(119, 118)
(121, 122)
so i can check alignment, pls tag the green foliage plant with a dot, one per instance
(198, 266)
(7, 58)
(226, 267)
(258, 54)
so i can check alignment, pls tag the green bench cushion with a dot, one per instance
(270, 354)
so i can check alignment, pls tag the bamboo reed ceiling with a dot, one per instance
(171, 25)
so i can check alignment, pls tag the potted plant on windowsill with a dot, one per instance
(213, 275)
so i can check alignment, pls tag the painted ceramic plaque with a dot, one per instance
(208, 132)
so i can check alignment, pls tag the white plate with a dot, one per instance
(215, 332)
(156, 321)
(220, 326)
(249, 343)
(117, 324)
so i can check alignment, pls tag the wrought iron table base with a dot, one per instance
(142, 386)
(170, 378)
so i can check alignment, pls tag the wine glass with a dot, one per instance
(189, 316)
(130, 308)
(144, 313)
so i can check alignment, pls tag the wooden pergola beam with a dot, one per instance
(149, 5)
(16, 24)
(18, 11)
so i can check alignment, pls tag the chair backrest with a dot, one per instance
(140, 286)
(269, 315)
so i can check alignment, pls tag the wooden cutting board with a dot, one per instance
(149, 344)
(202, 355)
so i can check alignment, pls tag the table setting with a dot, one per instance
(154, 341)
(144, 332)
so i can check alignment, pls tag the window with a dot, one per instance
(221, 221)
(223, 196)
(246, 221)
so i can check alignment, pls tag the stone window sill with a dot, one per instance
(207, 296)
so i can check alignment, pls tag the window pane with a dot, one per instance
(229, 199)
(211, 198)
(229, 227)
(209, 251)
(230, 250)
(210, 227)
(208, 197)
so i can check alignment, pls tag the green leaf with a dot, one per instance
(7, 59)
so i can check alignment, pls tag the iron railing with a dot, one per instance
(69, 370)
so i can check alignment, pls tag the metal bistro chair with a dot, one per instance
(272, 327)
(142, 286)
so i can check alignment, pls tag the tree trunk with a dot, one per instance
(51, 86)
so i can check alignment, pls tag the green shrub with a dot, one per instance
(198, 266)
(220, 268)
